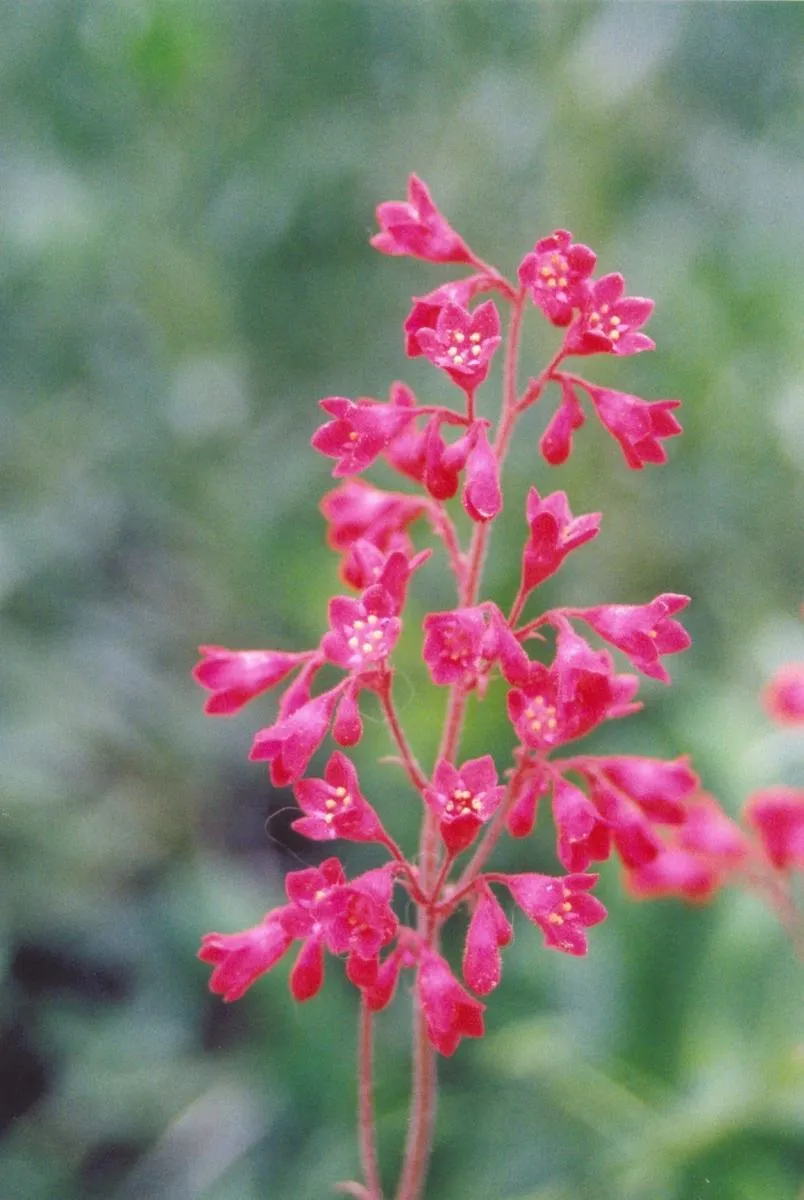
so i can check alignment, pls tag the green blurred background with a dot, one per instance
(187, 195)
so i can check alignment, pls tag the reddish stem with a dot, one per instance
(367, 1134)
(417, 776)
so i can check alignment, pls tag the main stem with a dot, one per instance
(423, 1103)
(366, 1127)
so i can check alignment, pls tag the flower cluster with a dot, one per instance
(601, 805)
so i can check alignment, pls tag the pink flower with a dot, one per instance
(554, 533)
(609, 321)
(777, 814)
(361, 431)
(334, 806)
(463, 799)
(365, 565)
(642, 631)
(637, 425)
(489, 929)
(559, 906)
(634, 837)
(555, 444)
(308, 890)
(450, 1013)
(364, 631)
(463, 644)
(359, 510)
(347, 728)
(709, 832)
(675, 872)
(381, 992)
(426, 309)
(241, 958)
(441, 464)
(522, 813)
(307, 976)
(358, 917)
(583, 835)
(463, 343)
(236, 676)
(556, 274)
(568, 699)
(482, 497)
(658, 786)
(417, 228)
(784, 695)
(289, 744)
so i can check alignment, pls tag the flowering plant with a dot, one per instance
(601, 804)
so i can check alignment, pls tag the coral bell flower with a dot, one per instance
(457, 645)
(554, 533)
(426, 309)
(463, 799)
(417, 228)
(241, 958)
(450, 1013)
(482, 497)
(556, 275)
(364, 631)
(610, 321)
(555, 444)
(361, 431)
(489, 929)
(777, 814)
(559, 906)
(709, 832)
(583, 835)
(636, 424)
(290, 743)
(784, 695)
(236, 676)
(642, 631)
(358, 510)
(674, 872)
(463, 343)
(660, 787)
(358, 916)
(334, 806)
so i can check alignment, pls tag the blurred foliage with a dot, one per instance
(187, 192)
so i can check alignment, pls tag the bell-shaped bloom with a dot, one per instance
(464, 799)
(556, 274)
(634, 837)
(642, 631)
(443, 463)
(560, 906)
(450, 1013)
(358, 917)
(307, 891)
(482, 497)
(462, 645)
(784, 695)
(555, 444)
(777, 815)
(426, 309)
(568, 699)
(462, 343)
(358, 510)
(363, 632)
(489, 929)
(522, 813)
(637, 425)
(335, 807)
(708, 831)
(583, 835)
(236, 676)
(675, 872)
(554, 533)
(660, 787)
(415, 227)
(289, 744)
(347, 728)
(381, 992)
(307, 975)
(365, 565)
(610, 322)
(362, 430)
(241, 958)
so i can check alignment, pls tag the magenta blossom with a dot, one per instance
(489, 929)
(784, 695)
(234, 677)
(642, 631)
(241, 958)
(289, 744)
(637, 425)
(482, 497)
(416, 227)
(560, 907)
(583, 834)
(610, 321)
(450, 1013)
(777, 815)
(361, 430)
(674, 872)
(359, 510)
(462, 645)
(334, 806)
(464, 799)
(555, 444)
(556, 274)
(463, 343)
(364, 631)
(659, 787)
(426, 309)
(554, 533)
